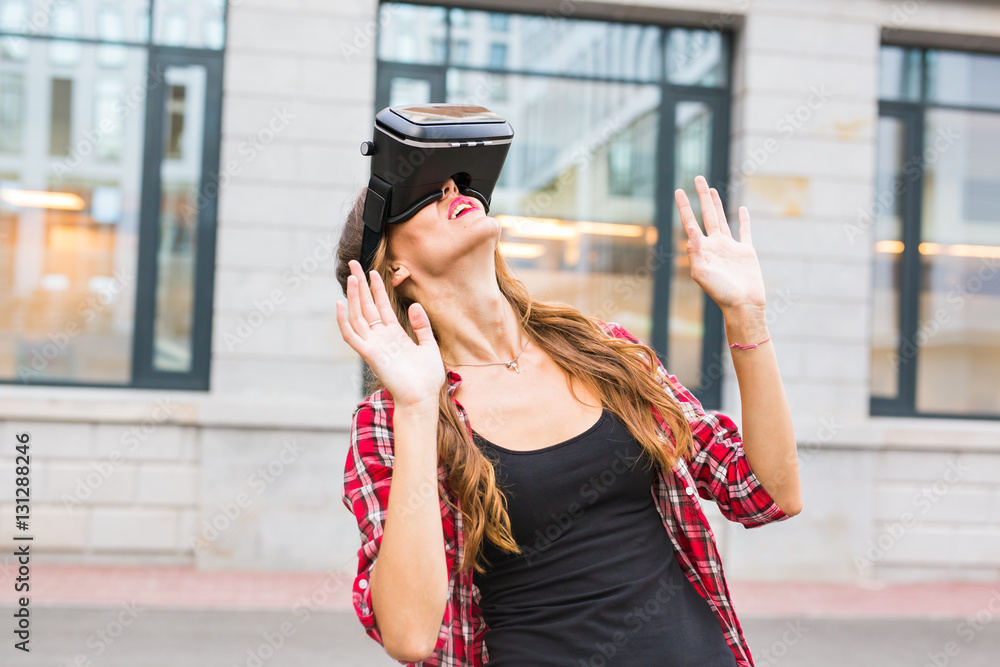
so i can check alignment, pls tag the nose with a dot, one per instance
(450, 188)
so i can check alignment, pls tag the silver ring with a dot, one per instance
(371, 324)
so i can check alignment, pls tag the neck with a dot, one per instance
(474, 322)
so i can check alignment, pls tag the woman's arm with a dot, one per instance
(768, 434)
(729, 271)
(401, 531)
(410, 592)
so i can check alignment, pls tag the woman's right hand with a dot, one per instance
(412, 372)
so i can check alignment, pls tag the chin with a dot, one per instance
(482, 232)
(495, 228)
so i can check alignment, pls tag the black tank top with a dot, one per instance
(597, 582)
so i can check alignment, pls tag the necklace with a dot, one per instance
(512, 364)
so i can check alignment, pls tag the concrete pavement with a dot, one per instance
(223, 638)
(173, 617)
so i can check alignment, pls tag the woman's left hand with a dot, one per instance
(726, 268)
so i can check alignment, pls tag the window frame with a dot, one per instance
(160, 56)
(912, 115)
(714, 355)
(144, 375)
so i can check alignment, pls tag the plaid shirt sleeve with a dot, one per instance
(367, 479)
(719, 466)
(367, 475)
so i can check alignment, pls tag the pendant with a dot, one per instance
(512, 364)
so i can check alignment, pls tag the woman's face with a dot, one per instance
(448, 233)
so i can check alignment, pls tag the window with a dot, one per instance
(192, 24)
(460, 48)
(498, 22)
(498, 56)
(175, 122)
(107, 219)
(61, 101)
(111, 27)
(581, 196)
(107, 92)
(11, 111)
(936, 305)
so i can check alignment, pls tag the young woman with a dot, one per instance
(544, 506)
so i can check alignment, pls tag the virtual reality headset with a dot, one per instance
(416, 149)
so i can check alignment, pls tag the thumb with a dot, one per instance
(421, 324)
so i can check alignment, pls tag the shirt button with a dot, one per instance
(363, 584)
(689, 491)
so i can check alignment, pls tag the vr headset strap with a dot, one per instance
(375, 215)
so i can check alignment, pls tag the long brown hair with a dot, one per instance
(622, 373)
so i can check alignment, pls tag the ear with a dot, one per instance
(399, 274)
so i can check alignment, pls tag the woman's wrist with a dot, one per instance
(746, 325)
(424, 411)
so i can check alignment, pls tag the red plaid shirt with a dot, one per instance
(718, 471)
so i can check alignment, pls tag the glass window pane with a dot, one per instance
(68, 223)
(180, 183)
(13, 15)
(65, 22)
(565, 233)
(499, 22)
(111, 26)
(963, 78)
(175, 115)
(498, 56)
(108, 93)
(81, 18)
(172, 29)
(686, 330)
(887, 225)
(13, 18)
(405, 90)
(460, 51)
(13, 48)
(61, 124)
(411, 34)
(555, 46)
(899, 73)
(12, 101)
(191, 23)
(959, 334)
(696, 57)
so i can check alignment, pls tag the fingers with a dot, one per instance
(720, 212)
(381, 297)
(368, 310)
(688, 220)
(745, 225)
(421, 325)
(354, 316)
(351, 336)
(708, 214)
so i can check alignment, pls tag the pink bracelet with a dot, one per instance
(750, 347)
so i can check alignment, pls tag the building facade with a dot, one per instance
(174, 176)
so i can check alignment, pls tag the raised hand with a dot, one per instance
(726, 268)
(412, 372)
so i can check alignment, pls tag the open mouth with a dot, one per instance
(460, 206)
